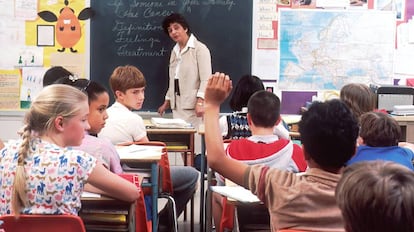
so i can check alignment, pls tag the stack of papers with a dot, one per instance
(403, 110)
(170, 123)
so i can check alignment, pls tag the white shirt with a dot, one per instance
(122, 125)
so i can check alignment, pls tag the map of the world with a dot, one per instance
(325, 49)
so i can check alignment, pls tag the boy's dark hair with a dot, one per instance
(126, 77)
(175, 18)
(379, 130)
(376, 196)
(264, 108)
(246, 86)
(328, 132)
(55, 73)
(92, 88)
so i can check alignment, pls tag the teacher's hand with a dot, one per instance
(163, 107)
(199, 109)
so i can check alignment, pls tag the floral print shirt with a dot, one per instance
(55, 177)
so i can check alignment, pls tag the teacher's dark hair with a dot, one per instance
(175, 18)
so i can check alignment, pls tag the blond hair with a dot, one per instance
(358, 97)
(53, 101)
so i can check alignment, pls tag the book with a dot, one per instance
(104, 217)
(236, 192)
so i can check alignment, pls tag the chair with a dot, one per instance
(42, 223)
(166, 187)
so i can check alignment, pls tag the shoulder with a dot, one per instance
(200, 45)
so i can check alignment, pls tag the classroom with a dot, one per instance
(303, 51)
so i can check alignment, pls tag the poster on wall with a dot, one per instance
(9, 89)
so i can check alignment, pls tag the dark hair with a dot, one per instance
(246, 87)
(328, 132)
(358, 97)
(92, 88)
(376, 196)
(175, 18)
(264, 108)
(379, 130)
(55, 73)
(126, 77)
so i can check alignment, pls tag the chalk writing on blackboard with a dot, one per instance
(130, 32)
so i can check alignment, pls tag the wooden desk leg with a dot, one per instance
(155, 189)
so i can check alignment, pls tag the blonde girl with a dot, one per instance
(39, 174)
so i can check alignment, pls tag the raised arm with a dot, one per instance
(217, 90)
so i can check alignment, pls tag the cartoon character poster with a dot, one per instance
(65, 23)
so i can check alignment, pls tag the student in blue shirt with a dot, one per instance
(378, 140)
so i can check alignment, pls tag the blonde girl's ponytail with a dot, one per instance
(19, 198)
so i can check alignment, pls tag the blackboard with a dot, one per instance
(129, 32)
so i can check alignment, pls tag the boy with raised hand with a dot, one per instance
(306, 201)
(262, 147)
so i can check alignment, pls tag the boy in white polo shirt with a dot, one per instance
(123, 125)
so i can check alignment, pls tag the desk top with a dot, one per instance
(152, 129)
(141, 153)
(404, 118)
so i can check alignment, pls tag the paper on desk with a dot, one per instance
(90, 195)
(170, 123)
(138, 151)
(236, 192)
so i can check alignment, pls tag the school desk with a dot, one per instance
(407, 127)
(101, 213)
(178, 140)
(138, 155)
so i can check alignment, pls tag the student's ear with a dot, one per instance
(118, 94)
(360, 141)
(249, 119)
(58, 122)
(305, 153)
(278, 121)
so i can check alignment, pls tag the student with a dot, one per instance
(358, 97)
(98, 99)
(235, 126)
(378, 140)
(54, 73)
(376, 196)
(306, 201)
(263, 147)
(123, 125)
(128, 86)
(56, 119)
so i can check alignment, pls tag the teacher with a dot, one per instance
(189, 70)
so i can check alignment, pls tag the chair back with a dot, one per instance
(42, 223)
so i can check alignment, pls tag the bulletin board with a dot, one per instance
(33, 45)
